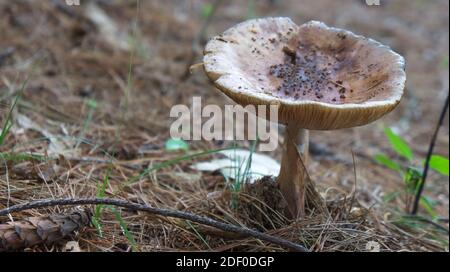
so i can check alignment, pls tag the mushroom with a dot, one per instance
(322, 78)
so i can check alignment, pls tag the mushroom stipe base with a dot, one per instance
(292, 175)
(271, 210)
(294, 181)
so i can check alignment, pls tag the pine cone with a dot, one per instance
(36, 230)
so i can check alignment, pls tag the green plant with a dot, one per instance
(92, 105)
(124, 228)
(101, 189)
(199, 235)
(444, 63)
(20, 157)
(250, 9)
(207, 10)
(130, 82)
(176, 144)
(410, 172)
(241, 175)
(8, 122)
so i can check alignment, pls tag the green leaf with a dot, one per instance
(428, 204)
(444, 63)
(250, 9)
(399, 145)
(386, 161)
(20, 157)
(124, 228)
(207, 10)
(390, 196)
(175, 144)
(91, 103)
(199, 235)
(101, 189)
(413, 178)
(439, 164)
(8, 124)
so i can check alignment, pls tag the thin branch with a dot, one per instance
(427, 161)
(163, 212)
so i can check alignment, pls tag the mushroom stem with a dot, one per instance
(303, 143)
(292, 179)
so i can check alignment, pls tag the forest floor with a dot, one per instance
(104, 75)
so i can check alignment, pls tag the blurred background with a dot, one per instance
(109, 71)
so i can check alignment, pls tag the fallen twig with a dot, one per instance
(163, 212)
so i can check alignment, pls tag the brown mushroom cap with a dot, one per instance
(321, 77)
